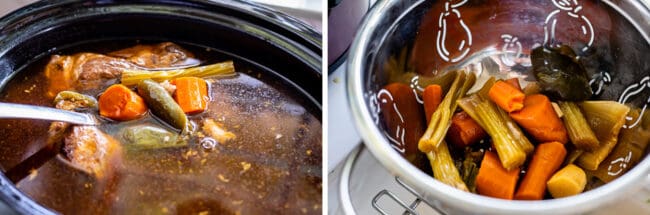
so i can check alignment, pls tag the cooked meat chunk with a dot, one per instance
(97, 70)
(215, 130)
(89, 71)
(83, 71)
(162, 55)
(91, 150)
(60, 74)
(71, 101)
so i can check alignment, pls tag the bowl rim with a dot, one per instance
(435, 191)
(289, 26)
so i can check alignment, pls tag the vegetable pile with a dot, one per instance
(547, 140)
(170, 95)
(118, 102)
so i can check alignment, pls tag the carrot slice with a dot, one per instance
(191, 94)
(120, 103)
(506, 96)
(494, 180)
(464, 130)
(432, 97)
(546, 161)
(539, 119)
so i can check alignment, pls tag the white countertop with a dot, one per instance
(342, 134)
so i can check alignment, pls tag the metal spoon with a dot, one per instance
(20, 111)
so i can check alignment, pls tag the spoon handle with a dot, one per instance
(19, 111)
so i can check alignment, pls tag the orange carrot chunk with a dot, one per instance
(506, 96)
(432, 97)
(464, 130)
(191, 94)
(539, 119)
(546, 161)
(120, 103)
(495, 181)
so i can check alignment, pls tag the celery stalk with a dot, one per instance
(468, 104)
(510, 142)
(631, 147)
(469, 168)
(579, 131)
(514, 130)
(441, 118)
(443, 167)
(483, 92)
(591, 160)
(518, 136)
(572, 156)
(510, 153)
(606, 118)
(224, 69)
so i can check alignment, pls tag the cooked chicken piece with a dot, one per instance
(91, 150)
(216, 131)
(162, 55)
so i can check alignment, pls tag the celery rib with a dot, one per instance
(223, 69)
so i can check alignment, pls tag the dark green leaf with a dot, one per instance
(559, 74)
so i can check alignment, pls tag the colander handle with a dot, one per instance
(408, 208)
(346, 201)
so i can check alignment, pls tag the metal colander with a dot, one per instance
(425, 38)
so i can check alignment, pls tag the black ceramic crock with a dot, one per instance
(257, 35)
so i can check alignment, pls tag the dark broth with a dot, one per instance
(272, 167)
